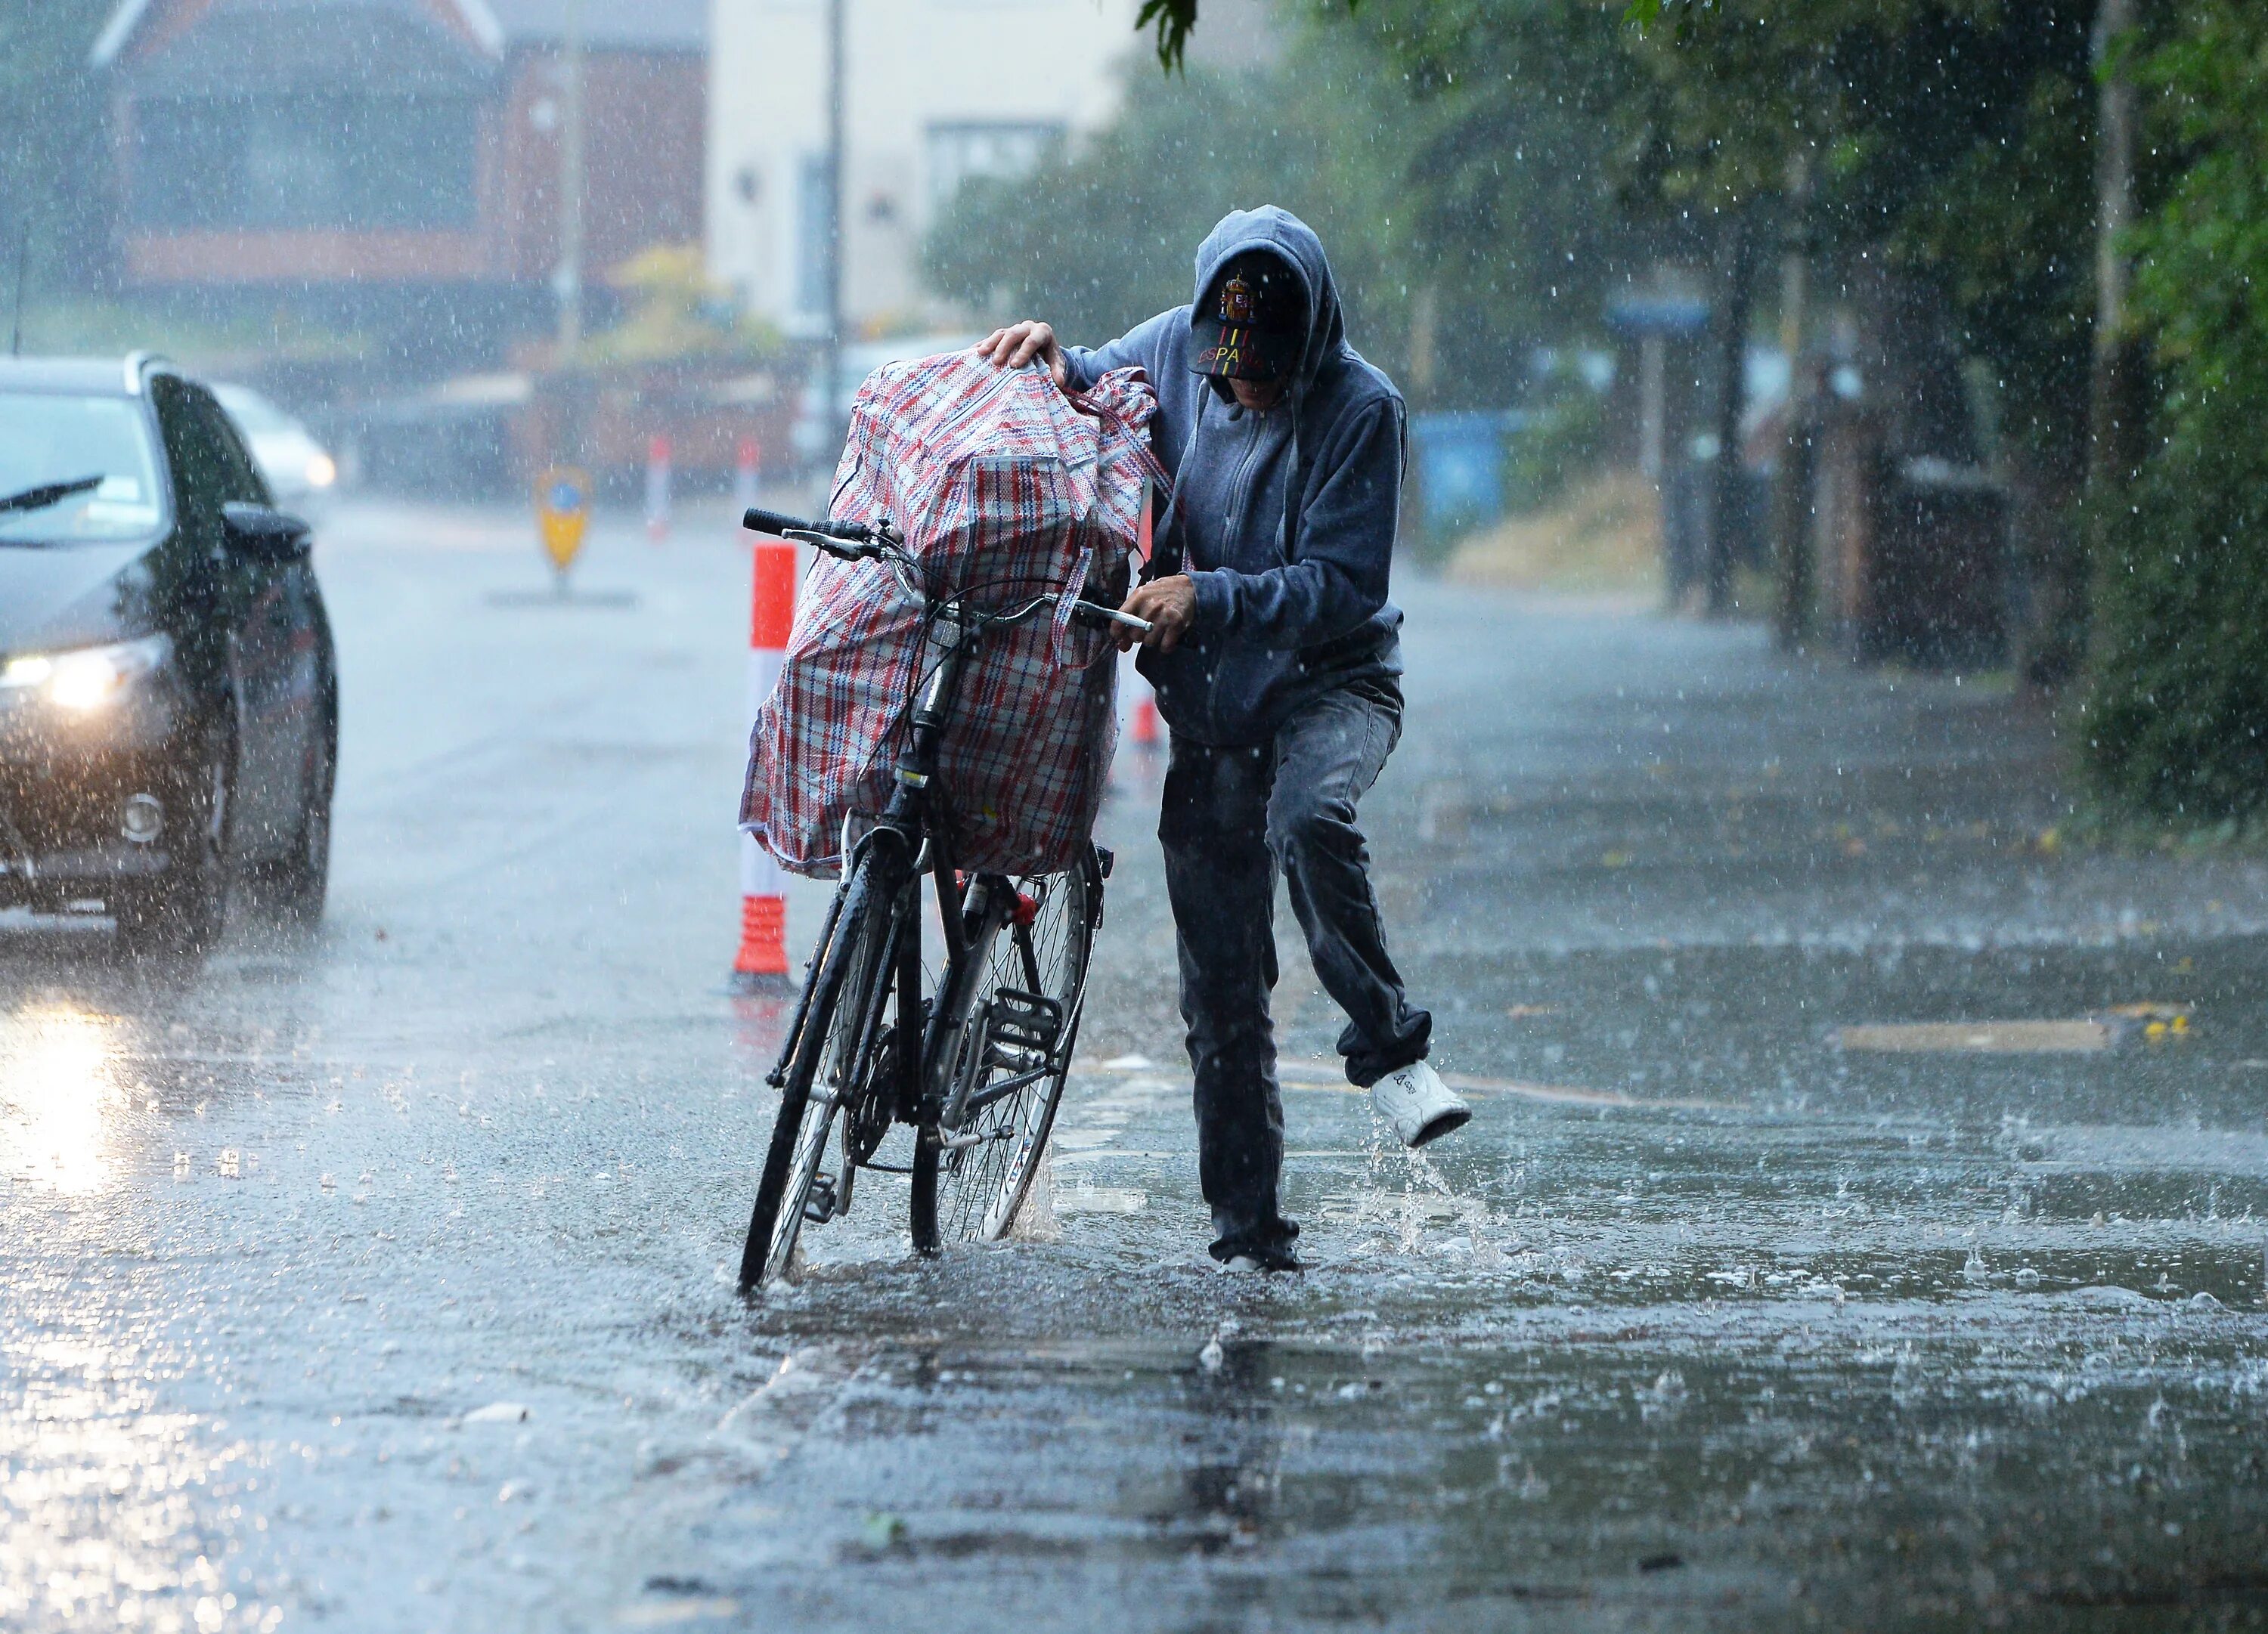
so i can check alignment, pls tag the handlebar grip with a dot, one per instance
(758, 520)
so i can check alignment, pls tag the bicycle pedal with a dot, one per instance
(819, 1203)
(1026, 1021)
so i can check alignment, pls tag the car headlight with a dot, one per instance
(88, 678)
(322, 470)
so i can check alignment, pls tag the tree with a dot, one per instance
(1457, 160)
(2176, 719)
(1098, 238)
(1516, 196)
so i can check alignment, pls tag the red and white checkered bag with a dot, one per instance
(1006, 490)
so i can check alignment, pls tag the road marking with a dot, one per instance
(1989, 1038)
(662, 1614)
(2085, 1036)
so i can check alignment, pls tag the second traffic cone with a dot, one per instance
(1145, 726)
(761, 964)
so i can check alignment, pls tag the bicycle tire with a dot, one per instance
(982, 1188)
(840, 1027)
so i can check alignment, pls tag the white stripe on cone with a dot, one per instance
(760, 874)
(656, 488)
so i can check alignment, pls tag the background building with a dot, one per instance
(936, 91)
(391, 166)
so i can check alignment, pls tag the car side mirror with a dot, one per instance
(263, 533)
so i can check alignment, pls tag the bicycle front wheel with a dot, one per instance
(1016, 1052)
(834, 1052)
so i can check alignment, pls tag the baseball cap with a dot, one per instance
(1253, 322)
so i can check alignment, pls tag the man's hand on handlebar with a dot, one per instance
(1169, 604)
(1019, 344)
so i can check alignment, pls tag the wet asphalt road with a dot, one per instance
(1704, 1322)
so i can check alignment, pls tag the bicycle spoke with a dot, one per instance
(1011, 1107)
(824, 1076)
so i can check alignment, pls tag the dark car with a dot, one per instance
(168, 697)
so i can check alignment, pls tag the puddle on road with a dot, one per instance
(1364, 1467)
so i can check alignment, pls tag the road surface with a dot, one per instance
(384, 1282)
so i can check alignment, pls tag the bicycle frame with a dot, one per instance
(909, 837)
(935, 1072)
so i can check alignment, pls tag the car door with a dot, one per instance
(283, 654)
(255, 605)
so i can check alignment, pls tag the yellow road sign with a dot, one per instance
(563, 512)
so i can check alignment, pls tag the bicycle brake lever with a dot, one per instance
(1096, 610)
(840, 549)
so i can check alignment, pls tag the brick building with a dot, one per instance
(394, 166)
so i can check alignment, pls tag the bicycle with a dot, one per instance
(976, 1067)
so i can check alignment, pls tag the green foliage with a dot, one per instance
(2178, 718)
(2177, 721)
(1097, 240)
(1457, 158)
(2009, 227)
(1561, 442)
(1517, 199)
(1952, 136)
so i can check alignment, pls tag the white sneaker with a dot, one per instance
(1420, 1107)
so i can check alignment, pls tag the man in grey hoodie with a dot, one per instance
(1277, 660)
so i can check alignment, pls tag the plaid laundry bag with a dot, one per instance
(1005, 489)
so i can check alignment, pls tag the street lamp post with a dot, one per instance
(831, 345)
(569, 284)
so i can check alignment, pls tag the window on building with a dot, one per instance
(335, 163)
(962, 148)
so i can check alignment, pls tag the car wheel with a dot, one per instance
(184, 914)
(302, 879)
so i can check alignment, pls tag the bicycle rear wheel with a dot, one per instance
(835, 1053)
(1016, 1052)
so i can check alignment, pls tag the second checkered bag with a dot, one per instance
(1005, 489)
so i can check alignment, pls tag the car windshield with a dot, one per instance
(52, 437)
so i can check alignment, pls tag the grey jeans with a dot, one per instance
(1231, 818)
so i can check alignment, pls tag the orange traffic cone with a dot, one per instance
(761, 966)
(1144, 729)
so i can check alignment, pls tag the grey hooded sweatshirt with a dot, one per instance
(1284, 521)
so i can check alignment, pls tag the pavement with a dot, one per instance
(1860, 1225)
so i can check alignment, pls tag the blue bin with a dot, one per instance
(1460, 468)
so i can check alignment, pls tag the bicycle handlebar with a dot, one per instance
(759, 521)
(865, 541)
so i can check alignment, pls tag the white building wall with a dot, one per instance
(931, 84)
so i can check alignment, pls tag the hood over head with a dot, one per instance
(1279, 232)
